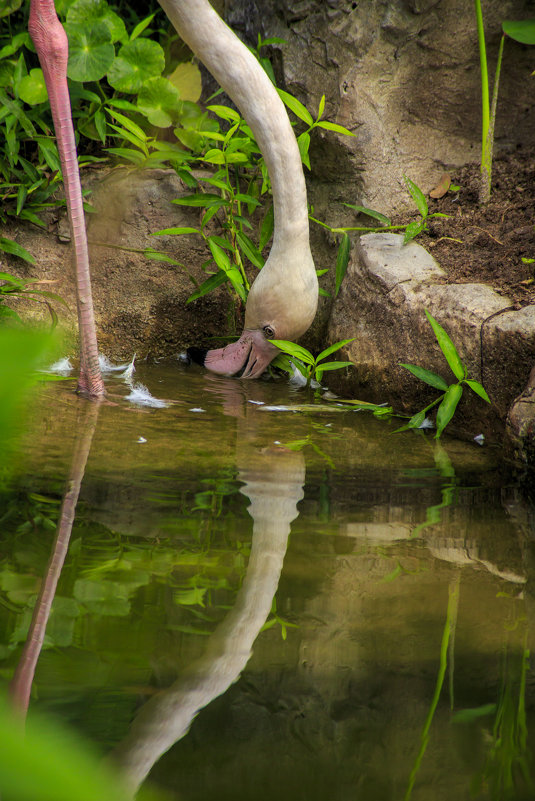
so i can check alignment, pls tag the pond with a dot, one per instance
(262, 599)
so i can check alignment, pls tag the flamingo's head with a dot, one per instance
(279, 306)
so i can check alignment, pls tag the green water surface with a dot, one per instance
(379, 650)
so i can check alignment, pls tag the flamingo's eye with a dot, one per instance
(268, 331)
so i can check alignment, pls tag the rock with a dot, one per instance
(381, 303)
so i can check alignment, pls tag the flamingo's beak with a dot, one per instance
(249, 356)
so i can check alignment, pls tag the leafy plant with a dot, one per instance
(521, 31)
(12, 288)
(311, 367)
(451, 393)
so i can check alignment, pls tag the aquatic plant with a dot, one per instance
(451, 393)
(521, 31)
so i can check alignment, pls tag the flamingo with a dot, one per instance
(283, 299)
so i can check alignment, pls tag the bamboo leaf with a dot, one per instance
(448, 348)
(430, 378)
(370, 213)
(293, 350)
(210, 284)
(446, 410)
(418, 196)
(412, 230)
(333, 126)
(342, 260)
(296, 106)
(477, 388)
(250, 250)
(8, 246)
(334, 348)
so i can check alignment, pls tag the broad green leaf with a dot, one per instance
(370, 213)
(296, 106)
(477, 388)
(9, 6)
(136, 62)
(446, 410)
(412, 230)
(91, 12)
(333, 126)
(303, 143)
(91, 52)
(245, 198)
(430, 378)
(101, 125)
(448, 348)
(186, 78)
(521, 31)
(334, 348)
(210, 284)
(175, 231)
(159, 101)
(32, 88)
(220, 257)
(418, 196)
(293, 350)
(214, 156)
(8, 246)
(250, 250)
(415, 422)
(342, 260)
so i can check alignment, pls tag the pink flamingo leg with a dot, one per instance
(50, 41)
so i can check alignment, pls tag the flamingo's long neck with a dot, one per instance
(244, 80)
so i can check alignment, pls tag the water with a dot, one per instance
(379, 651)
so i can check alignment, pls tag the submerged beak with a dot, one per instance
(249, 356)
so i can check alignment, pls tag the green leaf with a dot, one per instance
(175, 231)
(124, 134)
(334, 365)
(477, 388)
(446, 410)
(158, 100)
(321, 108)
(333, 126)
(303, 143)
(296, 106)
(8, 246)
(91, 52)
(250, 250)
(210, 284)
(448, 348)
(412, 230)
(127, 123)
(430, 378)
(334, 348)
(32, 88)
(415, 422)
(135, 156)
(418, 196)
(266, 229)
(140, 27)
(136, 63)
(91, 12)
(201, 199)
(342, 260)
(521, 31)
(370, 213)
(294, 350)
(225, 113)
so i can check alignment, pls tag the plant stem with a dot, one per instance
(486, 167)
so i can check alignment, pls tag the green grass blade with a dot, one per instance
(430, 378)
(418, 196)
(448, 348)
(333, 348)
(446, 410)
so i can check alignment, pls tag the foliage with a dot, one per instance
(308, 365)
(13, 288)
(521, 31)
(238, 184)
(451, 393)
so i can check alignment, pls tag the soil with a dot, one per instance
(487, 243)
